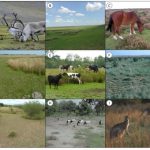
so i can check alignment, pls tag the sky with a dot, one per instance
(75, 13)
(129, 52)
(82, 53)
(21, 52)
(77, 101)
(20, 101)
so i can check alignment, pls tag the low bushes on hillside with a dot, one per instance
(33, 110)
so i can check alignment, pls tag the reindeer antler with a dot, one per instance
(16, 20)
(5, 20)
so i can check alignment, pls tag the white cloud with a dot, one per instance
(58, 16)
(79, 14)
(69, 20)
(94, 6)
(65, 10)
(58, 19)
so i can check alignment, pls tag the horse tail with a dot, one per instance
(109, 27)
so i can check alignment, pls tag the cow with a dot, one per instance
(65, 67)
(74, 76)
(93, 68)
(54, 80)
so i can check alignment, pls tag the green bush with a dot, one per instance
(33, 110)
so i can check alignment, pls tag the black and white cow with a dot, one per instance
(69, 121)
(74, 76)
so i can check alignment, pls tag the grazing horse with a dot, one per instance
(119, 18)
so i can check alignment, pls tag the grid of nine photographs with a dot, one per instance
(75, 74)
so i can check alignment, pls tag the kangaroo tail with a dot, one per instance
(109, 27)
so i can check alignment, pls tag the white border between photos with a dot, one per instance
(73, 148)
(125, 5)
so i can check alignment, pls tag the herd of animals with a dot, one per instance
(80, 122)
(54, 79)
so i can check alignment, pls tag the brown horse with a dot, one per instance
(124, 18)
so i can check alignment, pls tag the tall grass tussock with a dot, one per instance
(28, 65)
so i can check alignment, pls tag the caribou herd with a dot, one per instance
(23, 31)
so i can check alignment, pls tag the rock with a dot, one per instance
(37, 95)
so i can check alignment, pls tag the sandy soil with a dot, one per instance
(59, 134)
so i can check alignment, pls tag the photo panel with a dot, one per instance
(75, 74)
(127, 25)
(22, 123)
(128, 74)
(23, 74)
(22, 25)
(127, 123)
(75, 123)
(75, 25)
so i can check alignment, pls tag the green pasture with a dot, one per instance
(18, 84)
(80, 37)
(92, 87)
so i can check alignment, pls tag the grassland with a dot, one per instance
(77, 38)
(93, 86)
(16, 83)
(138, 41)
(128, 78)
(16, 131)
(7, 42)
(138, 129)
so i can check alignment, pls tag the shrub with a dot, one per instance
(33, 110)
(12, 134)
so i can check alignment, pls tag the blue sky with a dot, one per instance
(20, 101)
(75, 13)
(129, 52)
(22, 52)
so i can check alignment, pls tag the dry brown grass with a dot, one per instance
(15, 131)
(134, 42)
(138, 129)
(31, 64)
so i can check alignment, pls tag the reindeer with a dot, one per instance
(32, 29)
(23, 33)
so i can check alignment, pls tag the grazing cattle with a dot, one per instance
(70, 121)
(119, 18)
(65, 67)
(80, 122)
(93, 68)
(54, 80)
(87, 122)
(74, 76)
